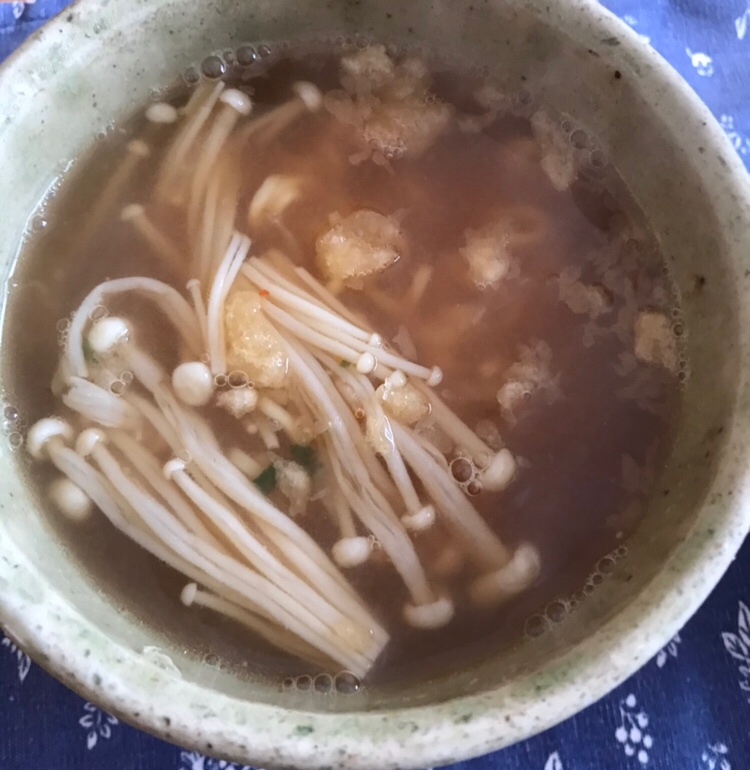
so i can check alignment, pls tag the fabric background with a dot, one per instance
(688, 709)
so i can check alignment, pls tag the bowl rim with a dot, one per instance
(138, 691)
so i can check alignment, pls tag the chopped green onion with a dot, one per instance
(344, 364)
(304, 455)
(266, 481)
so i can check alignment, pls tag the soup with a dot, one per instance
(343, 362)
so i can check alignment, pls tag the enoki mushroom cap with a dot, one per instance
(88, 439)
(193, 383)
(500, 471)
(188, 594)
(396, 379)
(70, 499)
(41, 432)
(309, 94)
(420, 520)
(366, 363)
(436, 377)
(139, 148)
(238, 100)
(433, 615)
(516, 576)
(161, 112)
(132, 211)
(108, 332)
(175, 465)
(351, 551)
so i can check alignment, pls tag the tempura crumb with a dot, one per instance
(654, 341)
(581, 298)
(388, 104)
(252, 344)
(558, 156)
(359, 245)
(529, 374)
(486, 251)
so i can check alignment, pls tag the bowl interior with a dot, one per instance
(97, 62)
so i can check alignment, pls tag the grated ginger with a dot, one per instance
(405, 403)
(363, 243)
(252, 344)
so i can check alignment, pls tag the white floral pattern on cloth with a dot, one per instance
(702, 62)
(191, 760)
(739, 142)
(742, 23)
(97, 723)
(670, 651)
(738, 646)
(554, 762)
(23, 661)
(631, 21)
(715, 757)
(631, 731)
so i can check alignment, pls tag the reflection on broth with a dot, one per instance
(343, 365)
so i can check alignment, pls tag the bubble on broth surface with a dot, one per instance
(38, 223)
(98, 312)
(15, 439)
(323, 683)
(462, 469)
(192, 75)
(247, 55)
(213, 67)
(578, 139)
(347, 683)
(10, 413)
(535, 626)
(557, 610)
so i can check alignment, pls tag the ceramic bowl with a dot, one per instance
(94, 64)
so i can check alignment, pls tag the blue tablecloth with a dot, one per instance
(688, 709)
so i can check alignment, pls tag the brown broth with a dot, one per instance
(592, 443)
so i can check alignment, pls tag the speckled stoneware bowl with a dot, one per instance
(97, 62)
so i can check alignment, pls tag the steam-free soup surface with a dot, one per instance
(509, 255)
